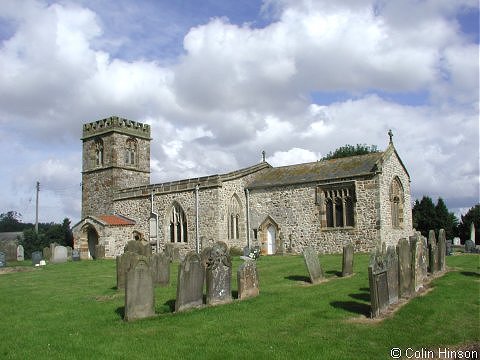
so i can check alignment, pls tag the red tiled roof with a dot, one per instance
(116, 220)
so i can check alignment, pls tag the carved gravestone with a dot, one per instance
(405, 283)
(392, 274)
(59, 254)
(191, 273)
(75, 255)
(139, 291)
(442, 250)
(20, 253)
(469, 246)
(47, 253)
(3, 260)
(124, 263)
(347, 262)
(247, 280)
(449, 247)
(219, 275)
(432, 253)
(313, 265)
(378, 281)
(160, 269)
(99, 252)
(36, 258)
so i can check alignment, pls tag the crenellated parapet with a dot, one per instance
(116, 124)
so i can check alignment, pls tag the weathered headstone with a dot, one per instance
(36, 258)
(99, 251)
(3, 260)
(392, 274)
(47, 253)
(59, 254)
(432, 253)
(449, 247)
(172, 251)
(469, 246)
(191, 273)
(405, 283)
(20, 253)
(139, 291)
(124, 263)
(139, 247)
(456, 241)
(442, 250)
(347, 261)
(247, 280)
(11, 252)
(416, 247)
(160, 269)
(378, 281)
(313, 265)
(219, 275)
(69, 252)
(75, 255)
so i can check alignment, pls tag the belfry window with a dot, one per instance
(131, 152)
(396, 202)
(337, 205)
(234, 210)
(178, 225)
(98, 153)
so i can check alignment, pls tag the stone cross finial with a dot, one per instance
(390, 134)
(263, 155)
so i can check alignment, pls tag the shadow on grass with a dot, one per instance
(334, 272)
(470, 273)
(171, 305)
(120, 312)
(362, 296)
(298, 278)
(352, 306)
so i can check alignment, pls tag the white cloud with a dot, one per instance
(292, 156)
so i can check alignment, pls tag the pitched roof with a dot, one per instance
(116, 220)
(333, 169)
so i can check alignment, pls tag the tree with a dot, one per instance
(68, 235)
(11, 222)
(424, 215)
(32, 241)
(350, 150)
(472, 216)
(445, 219)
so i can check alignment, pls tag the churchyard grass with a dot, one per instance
(73, 311)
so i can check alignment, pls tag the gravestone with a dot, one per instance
(432, 253)
(416, 246)
(405, 283)
(469, 246)
(36, 258)
(3, 260)
(69, 252)
(75, 255)
(11, 252)
(347, 263)
(47, 253)
(160, 269)
(472, 232)
(313, 265)
(219, 275)
(378, 281)
(449, 247)
(392, 274)
(442, 250)
(124, 263)
(139, 247)
(59, 254)
(20, 253)
(456, 241)
(99, 252)
(172, 251)
(247, 280)
(139, 291)
(191, 273)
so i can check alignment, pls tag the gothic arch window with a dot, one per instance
(396, 202)
(178, 225)
(131, 152)
(337, 205)
(98, 153)
(234, 211)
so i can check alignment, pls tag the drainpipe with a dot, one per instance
(156, 223)
(197, 219)
(247, 194)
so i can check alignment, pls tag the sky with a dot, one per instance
(221, 80)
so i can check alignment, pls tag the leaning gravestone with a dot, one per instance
(219, 275)
(160, 269)
(432, 253)
(59, 254)
(75, 255)
(124, 263)
(442, 250)
(139, 291)
(405, 283)
(99, 252)
(3, 260)
(313, 265)
(36, 258)
(378, 281)
(20, 253)
(191, 274)
(247, 280)
(347, 263)
(392, 274)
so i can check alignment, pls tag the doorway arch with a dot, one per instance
(269, 231)
(92, 240)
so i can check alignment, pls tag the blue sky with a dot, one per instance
(219, 81)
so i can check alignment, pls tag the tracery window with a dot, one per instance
(337, 205)
(234, 210)
(131, 152)
(396, 202)
(178, 225)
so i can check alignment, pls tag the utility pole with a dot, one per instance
(36, 208)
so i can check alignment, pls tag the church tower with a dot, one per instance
(116, 155)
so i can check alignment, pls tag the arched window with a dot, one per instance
(234, 211)
(131, 152)
(98, 153)
(396, 202)
(178, 225)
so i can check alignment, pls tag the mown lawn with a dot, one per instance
(73, 311)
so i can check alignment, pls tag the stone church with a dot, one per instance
(363, 200)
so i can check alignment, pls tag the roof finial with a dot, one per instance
(263, 155)
(390, 134)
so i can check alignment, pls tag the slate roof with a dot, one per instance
(323, 170)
